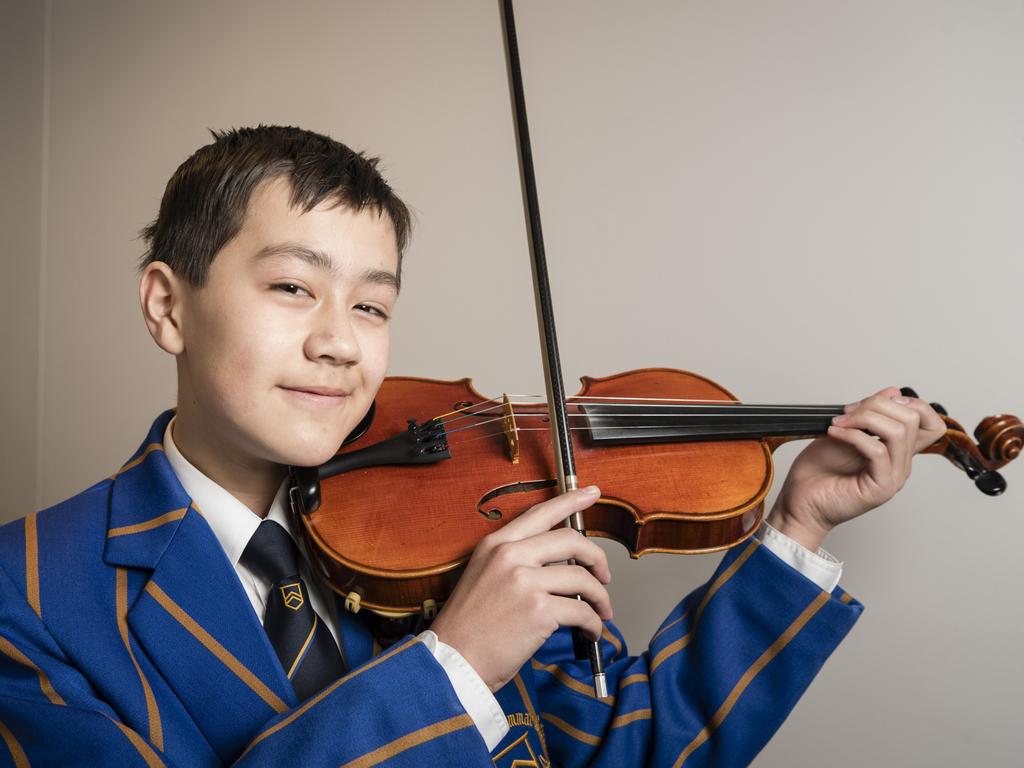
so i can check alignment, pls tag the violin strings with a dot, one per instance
(536, 399)
(504, 432)
(484, 423)
(751, 414)
(748, 409)
(656, 415)
(499, 400)
(697, 401)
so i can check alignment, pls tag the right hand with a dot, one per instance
(507, 603)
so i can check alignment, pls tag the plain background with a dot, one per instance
(805, 201)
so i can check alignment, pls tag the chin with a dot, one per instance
(308, 450)
(305, 457)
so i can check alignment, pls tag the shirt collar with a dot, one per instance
(232, 522)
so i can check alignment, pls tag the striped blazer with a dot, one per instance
(126, 639)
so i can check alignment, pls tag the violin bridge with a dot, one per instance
(508, 425)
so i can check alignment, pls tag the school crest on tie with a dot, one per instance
(291, 594)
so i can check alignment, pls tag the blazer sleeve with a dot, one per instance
(398, 706)
(717, 680)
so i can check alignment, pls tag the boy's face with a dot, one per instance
(287, 343)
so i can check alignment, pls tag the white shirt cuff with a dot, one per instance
(820, 567)
(474, 695)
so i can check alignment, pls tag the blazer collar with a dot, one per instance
(147, 504)
(192, 615)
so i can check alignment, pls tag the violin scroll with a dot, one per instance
(999, 438)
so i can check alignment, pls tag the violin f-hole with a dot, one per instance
(492, 512)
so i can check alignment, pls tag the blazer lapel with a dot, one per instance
(192, 617)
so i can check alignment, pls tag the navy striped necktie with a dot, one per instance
(302, 641)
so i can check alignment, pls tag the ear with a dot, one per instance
(162, 294)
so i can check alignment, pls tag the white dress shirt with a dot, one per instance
(233, 524)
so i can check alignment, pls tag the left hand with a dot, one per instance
(842, 476)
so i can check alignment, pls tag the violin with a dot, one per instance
(683, 465)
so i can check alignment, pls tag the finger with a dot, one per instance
(932, 427)
(898, 408)
(875, 451)
(572, 580)
(902, 453)
(570, 612)
(892, 432)
(560, 545)
(888, 393)
(546, 515)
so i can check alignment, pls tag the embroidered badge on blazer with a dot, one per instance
(520, 754)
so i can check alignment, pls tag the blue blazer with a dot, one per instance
(126, 639)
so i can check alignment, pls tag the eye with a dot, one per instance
(372, 310)
(290, 288)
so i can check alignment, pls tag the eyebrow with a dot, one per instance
(320, 260)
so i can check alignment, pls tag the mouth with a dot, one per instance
(318, 395)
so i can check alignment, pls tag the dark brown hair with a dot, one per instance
(205, 202)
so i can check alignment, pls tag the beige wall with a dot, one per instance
(805, 201)
(22, 125)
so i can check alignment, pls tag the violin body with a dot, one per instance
(686, 469)
(385, 554)
(392, 530)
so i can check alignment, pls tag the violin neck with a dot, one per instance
(620, 423)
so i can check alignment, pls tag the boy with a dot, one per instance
(166, 617)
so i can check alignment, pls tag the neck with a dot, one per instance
(254, 482)
(654, 422)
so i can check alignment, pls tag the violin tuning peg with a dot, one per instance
(990, 483)
(908, 392)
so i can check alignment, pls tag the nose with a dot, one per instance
(333, 339)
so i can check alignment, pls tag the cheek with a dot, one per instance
(235, 357)
(375, 361)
